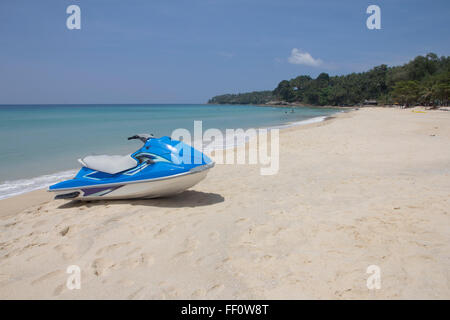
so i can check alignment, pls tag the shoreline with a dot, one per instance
(368, 187)
(11, 205)
(288, 105)
(61, 175)
(17, 203)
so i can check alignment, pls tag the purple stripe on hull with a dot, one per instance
(90, 191)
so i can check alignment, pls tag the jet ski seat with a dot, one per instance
(109, 164)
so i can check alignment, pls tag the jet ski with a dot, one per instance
(162, 167)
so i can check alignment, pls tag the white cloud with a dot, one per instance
(299, 57)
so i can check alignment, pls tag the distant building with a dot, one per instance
(370, 102)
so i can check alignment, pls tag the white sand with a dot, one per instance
(370, 188)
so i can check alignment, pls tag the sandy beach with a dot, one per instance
(369, 187)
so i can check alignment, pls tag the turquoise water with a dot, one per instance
(47, 140)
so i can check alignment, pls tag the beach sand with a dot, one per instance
(371, 187)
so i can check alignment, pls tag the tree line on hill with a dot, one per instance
(423, 81)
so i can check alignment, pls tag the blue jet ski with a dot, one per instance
(162, 167)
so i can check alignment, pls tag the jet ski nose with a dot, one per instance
(203, 167)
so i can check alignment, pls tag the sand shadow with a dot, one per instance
(186, 199)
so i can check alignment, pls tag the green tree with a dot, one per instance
(406, 92)
(285, 91)
(425, 79)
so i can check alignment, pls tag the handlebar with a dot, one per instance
(143, 137)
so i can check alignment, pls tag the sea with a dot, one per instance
(40, 144)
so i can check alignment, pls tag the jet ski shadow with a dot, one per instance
(189, 198)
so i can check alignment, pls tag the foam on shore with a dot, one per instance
(16, 187)
(241, 138)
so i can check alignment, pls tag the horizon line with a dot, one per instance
(81, 104)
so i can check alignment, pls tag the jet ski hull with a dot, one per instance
(153, 188)
(162, 167)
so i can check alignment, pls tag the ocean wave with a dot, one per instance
(303, 122)
(241, 139)
(16, 187)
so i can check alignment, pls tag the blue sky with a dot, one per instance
(168, 51)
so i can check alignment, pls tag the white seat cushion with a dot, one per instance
(109, 164)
